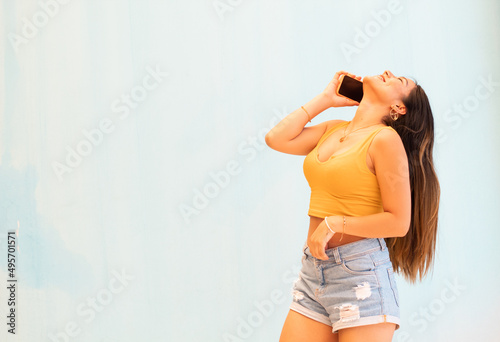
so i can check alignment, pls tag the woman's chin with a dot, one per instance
(370, 83)
(370, 79)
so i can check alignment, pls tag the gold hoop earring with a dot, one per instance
(394, 115)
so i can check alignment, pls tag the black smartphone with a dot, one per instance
(351, 88)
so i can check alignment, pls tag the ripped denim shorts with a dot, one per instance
(354, 287)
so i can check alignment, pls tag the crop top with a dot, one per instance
(343, 184)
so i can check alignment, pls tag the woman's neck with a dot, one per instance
(368, 114)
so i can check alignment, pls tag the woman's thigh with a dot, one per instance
(381, 332)
(299, 328)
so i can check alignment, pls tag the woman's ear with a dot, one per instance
(400, 109)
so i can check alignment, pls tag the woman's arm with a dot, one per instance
(290, 135)
(391, 168)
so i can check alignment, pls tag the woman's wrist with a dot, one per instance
(329, 227)
(325, 100)
(317, 105)
(336, 224)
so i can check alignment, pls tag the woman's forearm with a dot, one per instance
(293, 124)
(379, 225)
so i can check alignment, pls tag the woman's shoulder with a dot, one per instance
(387, 134)
(386, 138)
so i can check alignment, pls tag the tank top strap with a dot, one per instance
(366, 144)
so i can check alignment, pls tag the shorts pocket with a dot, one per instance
(381, 257)
(359, 266)
(394, 287)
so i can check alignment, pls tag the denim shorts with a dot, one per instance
(354, 287)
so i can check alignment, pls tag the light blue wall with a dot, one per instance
(178, 222)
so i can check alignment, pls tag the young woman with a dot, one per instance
(373, 208)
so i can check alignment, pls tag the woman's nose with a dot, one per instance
(388, 73)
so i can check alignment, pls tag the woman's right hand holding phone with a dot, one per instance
(330, 92)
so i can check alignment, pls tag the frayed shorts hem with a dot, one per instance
(366, 321)
(310, 313)
(340, 325)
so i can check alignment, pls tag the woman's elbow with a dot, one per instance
(400, 224)
(271, 141)
(404, 225)
(403, 229)
(267, 139)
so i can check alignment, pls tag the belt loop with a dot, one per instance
(382, 243)
(336, 255)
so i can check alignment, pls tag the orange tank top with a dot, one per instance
(343, 184)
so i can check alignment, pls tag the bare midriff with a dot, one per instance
(334, 241)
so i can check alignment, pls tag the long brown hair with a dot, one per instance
(413, 254)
